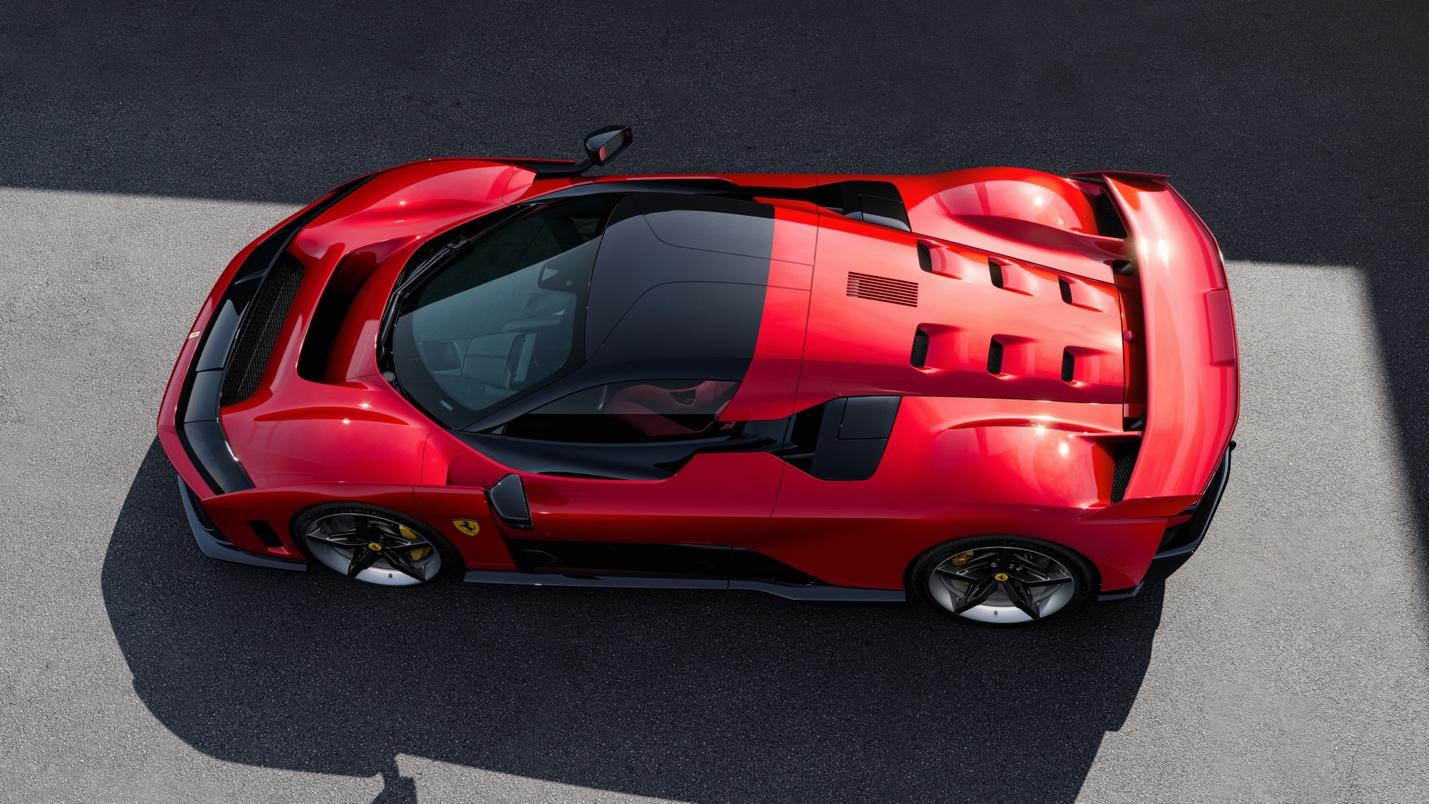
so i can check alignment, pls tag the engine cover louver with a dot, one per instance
(883, 289)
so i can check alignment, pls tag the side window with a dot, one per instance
(632, 413)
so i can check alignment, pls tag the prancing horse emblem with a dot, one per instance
(467, 526)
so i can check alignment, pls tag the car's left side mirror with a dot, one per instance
(603, 144)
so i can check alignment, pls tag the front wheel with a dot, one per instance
(1002, 580)
(375, 545)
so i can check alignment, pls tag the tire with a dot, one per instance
(1021, 573)
(382, 571)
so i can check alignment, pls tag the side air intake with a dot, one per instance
(883, 289)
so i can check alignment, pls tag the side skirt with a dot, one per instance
(812, 592)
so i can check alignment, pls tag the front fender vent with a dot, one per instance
(883, 289)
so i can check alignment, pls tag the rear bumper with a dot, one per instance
(212, 543)
(1187, 538)
(1183, 540)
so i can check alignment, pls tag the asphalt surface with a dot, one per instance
(1289, 660)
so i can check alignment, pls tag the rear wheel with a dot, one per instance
(375, 545)
(1002, 580)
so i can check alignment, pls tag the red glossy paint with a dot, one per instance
(1020, 451)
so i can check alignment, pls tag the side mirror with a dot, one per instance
(600, 146)
(508, 501)
(603, 144)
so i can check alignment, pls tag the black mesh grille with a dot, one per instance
(1125, 457)
(265, 316)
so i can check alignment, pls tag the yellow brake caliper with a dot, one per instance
(410, 535)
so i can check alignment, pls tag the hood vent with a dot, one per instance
(883, 289)
(259, 332)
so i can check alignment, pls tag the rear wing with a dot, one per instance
(1191, 374)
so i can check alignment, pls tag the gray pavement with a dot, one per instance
(1288, 661)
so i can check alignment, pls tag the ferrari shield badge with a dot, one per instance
(467, 526)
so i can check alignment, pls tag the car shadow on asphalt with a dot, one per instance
(684, 695)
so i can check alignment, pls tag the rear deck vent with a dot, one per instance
(920, 349)
(994, 357)
(1124, 456)
(1066, 288)
(994, 270)
(1069, 365)
(265, 533)
(881, 288)
(925, 257)
(259, 333)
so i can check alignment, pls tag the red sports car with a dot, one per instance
(1001, 391)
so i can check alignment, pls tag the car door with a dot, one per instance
(636, 477)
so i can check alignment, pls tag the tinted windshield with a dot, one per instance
(501, 316)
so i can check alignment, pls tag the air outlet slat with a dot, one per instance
(883, 289)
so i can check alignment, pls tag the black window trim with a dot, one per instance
(500, 428)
